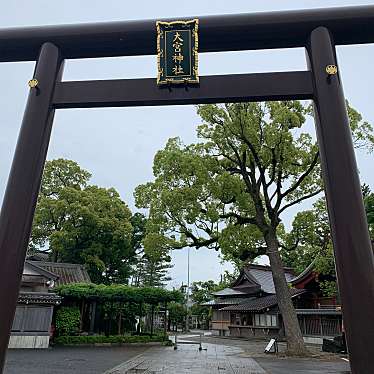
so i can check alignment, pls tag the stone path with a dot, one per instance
(221, 356)
(188, 359)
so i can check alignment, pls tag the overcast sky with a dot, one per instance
(117, 145)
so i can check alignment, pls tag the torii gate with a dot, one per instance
(316, 30)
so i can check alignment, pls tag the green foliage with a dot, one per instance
(113, 310)
(177, 313)
(230, 190)
(67, 321)
(118, 292)
(61, 173)
(311, 241)
(83, 224)
(153, 261)
(329, 288)
(362, 131)
(101, 339)
(201, 291)
(369, 207)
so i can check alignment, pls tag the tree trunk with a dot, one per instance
(165, 319)
(92, 317)
(152, 315)
(119, 323)
(295, 342)
(81, 316)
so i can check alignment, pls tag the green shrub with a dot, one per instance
(67, 321)
(102, 339)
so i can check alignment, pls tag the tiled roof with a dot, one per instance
(264, 277)
(260, 303)
(39, 298)
(304, 274)
(228, 292)
(33, 266)
(67, 273)
(223, 302)
(38, 256)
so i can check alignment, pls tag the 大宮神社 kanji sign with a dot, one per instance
(177, 52)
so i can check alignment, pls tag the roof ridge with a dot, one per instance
(41, 270)
(61, 264)
(304, 273)
(266, 267)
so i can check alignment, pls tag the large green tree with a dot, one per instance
(310, 240)
(80, 223)
(230, 190)
(153, 260)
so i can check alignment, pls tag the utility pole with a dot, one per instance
(188, 290)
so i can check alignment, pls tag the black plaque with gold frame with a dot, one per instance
(177, 52)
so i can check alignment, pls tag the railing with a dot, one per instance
(220, 325)
(324, 326)
(330, 307)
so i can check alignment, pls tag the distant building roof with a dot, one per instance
(228, 292)
(31, 269)
(38, 256)
(308, 272)
(259, 303)
(260, 275)
(67, 273)
(224, 302)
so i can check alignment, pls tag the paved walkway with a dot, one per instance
(188, 359)
(68, 360)
(221, 358)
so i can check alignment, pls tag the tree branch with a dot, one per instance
(240, 220)
(305, 197)
(302, 177)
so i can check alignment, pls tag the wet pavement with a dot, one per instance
(69, 360)
(188, 359)
(229, 358)
(223, 356)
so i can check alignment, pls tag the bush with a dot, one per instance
(118, 292)
(102, 339)
(67, 321)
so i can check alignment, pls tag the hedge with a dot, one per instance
(118, 292)
(67, 321)
(102, 339)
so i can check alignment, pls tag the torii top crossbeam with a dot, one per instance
(348, 25)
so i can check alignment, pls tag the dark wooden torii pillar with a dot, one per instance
(317, 30)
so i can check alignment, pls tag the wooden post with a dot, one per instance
(352, 248)
(165, 319)
(119, 323)
(81, 316)
(152, 315)
(93, 317)
(23, 185)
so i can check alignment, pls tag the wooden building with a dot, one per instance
(249, 307)
(36, 301)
